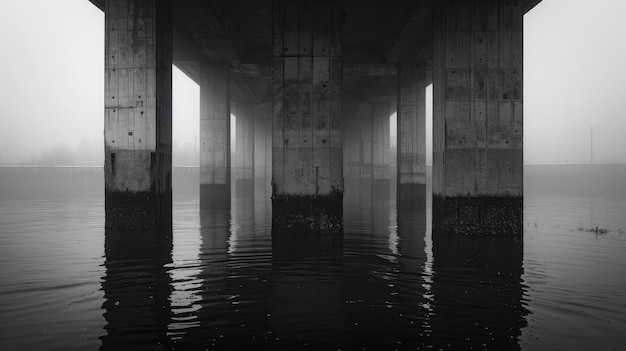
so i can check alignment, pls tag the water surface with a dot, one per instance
(386, 283)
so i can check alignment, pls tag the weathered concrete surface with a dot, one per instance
(380, 150)
(308, 213)
(262, 151)
(244, 152)
(138, 112)
(215, 136)
(137, 222)
(478, 117)
(478, 215)
(411, 124)
(307, 90)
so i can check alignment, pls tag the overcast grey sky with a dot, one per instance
(51, 80)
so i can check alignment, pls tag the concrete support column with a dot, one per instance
(380, 150)
(262, 150)
(244, 152)
(411, 134)
(351, 155)
(478, 117)
(215, 135)
(138, 114)
(357, 147)
(357, 141)
(307, 180)
(364, 135)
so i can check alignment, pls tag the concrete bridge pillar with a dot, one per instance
(477, 117)
(244, 152)
(215, 135)
(351, 135)
(138, 113)
(380, 150)
(307, 177)
(411, 140)
(364, 144)
(262, 150)
(357, 141)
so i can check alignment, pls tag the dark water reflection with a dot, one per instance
(387, 287)
(307, 302)
(383, 284)
(478, 292)
(136, 287)
(231, 281)
(224, 280)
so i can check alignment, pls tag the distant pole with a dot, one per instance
(591, 146)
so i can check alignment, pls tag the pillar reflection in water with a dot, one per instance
(386, 293)
(242, 226)
(233, 309)
(136, 286)
(478, 292)
(215, 233)
(308, 302)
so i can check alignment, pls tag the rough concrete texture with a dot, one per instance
(411, 123)
(135, 171)
(137, 223)
(477, 92)
(307, 95)
(478, 115)
(215, 125)
(478, 215)
(308, 214)
(138, 116)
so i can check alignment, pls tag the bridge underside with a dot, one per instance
(323, 77)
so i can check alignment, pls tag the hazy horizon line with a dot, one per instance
(2, 165)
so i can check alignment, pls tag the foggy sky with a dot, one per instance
(52, 81)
